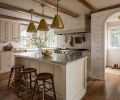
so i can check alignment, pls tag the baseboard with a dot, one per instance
(97, 76)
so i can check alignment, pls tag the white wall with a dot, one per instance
(113, 57)
(98, 42)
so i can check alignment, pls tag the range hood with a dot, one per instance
(81, 25)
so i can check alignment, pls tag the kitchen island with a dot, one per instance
(69, 72)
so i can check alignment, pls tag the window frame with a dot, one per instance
(110, 28)
(47, 46)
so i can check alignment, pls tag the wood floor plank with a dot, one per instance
(96, 89)
(104, 90)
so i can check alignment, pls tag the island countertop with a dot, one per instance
(54, 58)
(69, 72)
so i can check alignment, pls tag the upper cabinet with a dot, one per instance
(2, 30)
(15, 31)
(9, 31)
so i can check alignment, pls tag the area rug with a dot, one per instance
(113, 71)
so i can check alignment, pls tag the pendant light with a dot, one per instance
(118, 17)
(57, 21)
(42, 25)
(31, 27)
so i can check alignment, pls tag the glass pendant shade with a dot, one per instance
(31, 28)
(57, 22)
(42, 25)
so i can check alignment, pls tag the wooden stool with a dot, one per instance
(27, 78)
(16, 71)
(44, 81)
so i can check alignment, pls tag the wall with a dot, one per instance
(113, 57)
(62, 44)
(97, 42)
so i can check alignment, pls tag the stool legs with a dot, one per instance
(36, 83)
(53, 89)
(45, 89)
(16, 72)
(26, 83)
(10, 77)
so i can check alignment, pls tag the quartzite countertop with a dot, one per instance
(54, 58)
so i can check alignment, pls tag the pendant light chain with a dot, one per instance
(31, 16)
(57, 7)
(42, 10)
(31, 10)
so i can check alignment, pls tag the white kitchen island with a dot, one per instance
(69, 72)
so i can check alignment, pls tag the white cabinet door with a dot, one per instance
(2, 30)
(9, 31)
(15, 31)
(6, 59)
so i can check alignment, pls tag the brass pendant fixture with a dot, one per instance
(118, 17)
(57, 21)
(43, 24)
(31, 27)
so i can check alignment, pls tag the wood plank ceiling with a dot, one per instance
(67, 8)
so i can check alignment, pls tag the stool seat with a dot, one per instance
(17, 66)
(44, 76)
(28, 70)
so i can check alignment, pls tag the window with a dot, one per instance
(114, 37)
(37, 40)
(51, 39)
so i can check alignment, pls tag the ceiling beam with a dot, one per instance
(88, 4)
(15, 18)
(108, 8)
(54, 6)
(18, 9)
(18, 19)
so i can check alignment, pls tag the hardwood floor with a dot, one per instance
(104, 90)
(97, 90)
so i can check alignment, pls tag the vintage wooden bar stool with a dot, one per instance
(27, 81)
(15, 71)
(45, 85)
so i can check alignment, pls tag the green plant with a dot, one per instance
(37, 40)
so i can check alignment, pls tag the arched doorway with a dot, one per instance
(112, 44)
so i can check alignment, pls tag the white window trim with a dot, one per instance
(109, 36)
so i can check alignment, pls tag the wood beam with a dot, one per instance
(88, 4)
(15, 18)
(18, 19)
(18, 9)
(54, 6)
(107, 8)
